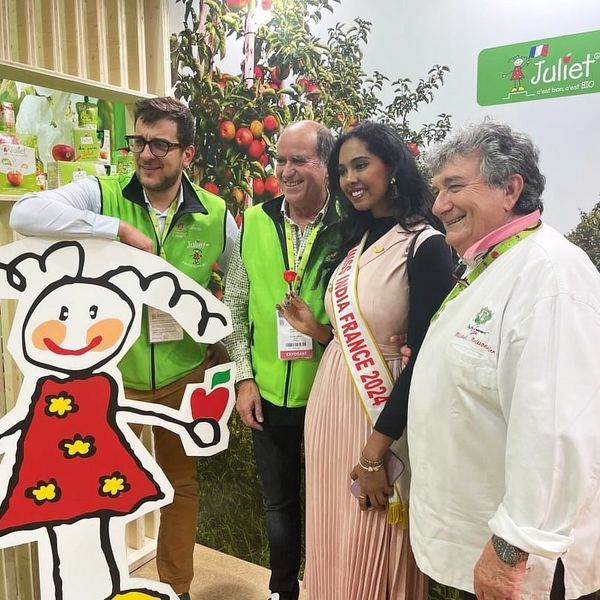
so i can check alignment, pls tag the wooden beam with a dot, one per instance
(97, 58)
(156, 19)
(4, 30)
(57, 35)
(60, 81)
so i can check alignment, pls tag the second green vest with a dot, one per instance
(281, 382)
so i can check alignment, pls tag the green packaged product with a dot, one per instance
(87, 114)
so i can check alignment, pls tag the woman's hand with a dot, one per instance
(297, 313)
(374, 486)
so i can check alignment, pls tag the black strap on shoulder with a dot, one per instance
(411, 253)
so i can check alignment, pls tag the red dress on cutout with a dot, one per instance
(72, 459)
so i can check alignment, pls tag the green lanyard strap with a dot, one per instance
(161, 236)
(302, 258)
(491, 255)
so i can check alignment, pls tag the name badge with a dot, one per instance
(292, 344)
(162, 327)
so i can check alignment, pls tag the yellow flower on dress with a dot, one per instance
(45, 491)
(79, 446)
(61, 405)
(140, 595)
(113, 485)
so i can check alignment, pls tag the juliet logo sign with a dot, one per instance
(562, 66)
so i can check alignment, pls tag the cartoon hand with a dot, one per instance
(204, 432)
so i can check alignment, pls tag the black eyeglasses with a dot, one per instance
(158, 147)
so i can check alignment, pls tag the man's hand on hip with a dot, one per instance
(249, 404)
(496, 580)
(131, 236)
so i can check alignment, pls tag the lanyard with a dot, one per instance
(486, 261)
(161, 236)
(303, 258)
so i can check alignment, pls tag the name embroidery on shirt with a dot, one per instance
(477, 328)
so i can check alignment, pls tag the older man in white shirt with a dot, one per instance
(504, 409)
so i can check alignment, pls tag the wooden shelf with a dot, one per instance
(10, 197)
(111, 49)
(68, 83)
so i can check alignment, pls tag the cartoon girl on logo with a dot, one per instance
(516, 75)
(73, 472)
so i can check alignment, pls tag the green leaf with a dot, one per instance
(220, 378)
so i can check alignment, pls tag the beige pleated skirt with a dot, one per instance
(350, 554)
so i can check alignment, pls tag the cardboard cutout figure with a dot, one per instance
(73, 472)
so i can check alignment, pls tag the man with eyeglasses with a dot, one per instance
(156, 209)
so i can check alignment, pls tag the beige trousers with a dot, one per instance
(178, 520)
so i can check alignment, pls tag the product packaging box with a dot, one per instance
(18, 163)
(123, 162)
(85, 142)
(103, 136)
(62, 172)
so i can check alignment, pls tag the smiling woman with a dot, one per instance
(365, 178)
(386, 205)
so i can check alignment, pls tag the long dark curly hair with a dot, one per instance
(411, 196)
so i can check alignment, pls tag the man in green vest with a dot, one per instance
(281, 248)
(156, 209)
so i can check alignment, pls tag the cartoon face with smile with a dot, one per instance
(77, 325)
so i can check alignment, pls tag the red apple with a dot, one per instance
(259, 72)
(255, 149)
(243, 137)
(263, 159)
(226, 130)
(272, 186)
(63, 152)
(256, 127)
(15, 178)
(212, 187)
(304, 82)
(209, 406)
(237, 5)
(313, 91)
(266, 4)
(258, 187)
(271, 123)
(413, 149)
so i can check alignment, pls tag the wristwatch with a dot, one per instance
(507, 553)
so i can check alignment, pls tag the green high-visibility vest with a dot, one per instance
(281, 382)
(194, 241)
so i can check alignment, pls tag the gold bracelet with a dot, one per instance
(370, 465)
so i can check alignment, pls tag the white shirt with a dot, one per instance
(74, 209)
(504, 421)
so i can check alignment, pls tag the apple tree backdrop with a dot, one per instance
(587, 234)
(286, 73)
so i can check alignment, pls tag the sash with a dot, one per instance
(369, 371)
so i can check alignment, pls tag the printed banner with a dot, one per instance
(549, 68)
